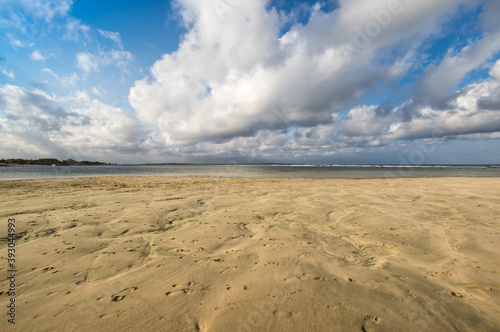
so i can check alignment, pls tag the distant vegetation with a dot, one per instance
(48, 162)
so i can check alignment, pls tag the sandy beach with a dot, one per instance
(227, 254)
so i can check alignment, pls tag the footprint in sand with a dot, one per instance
(232, 306)
(304, 276)
(370, 320)
(456, 294)
(320, 279)
(120, 296)
(228, 269)
(291, 314)
(117, 298)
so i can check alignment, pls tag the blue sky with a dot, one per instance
(329, 82)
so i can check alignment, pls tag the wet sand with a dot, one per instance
(219, 254)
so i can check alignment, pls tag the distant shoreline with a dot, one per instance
(39, 165)
(19, 162)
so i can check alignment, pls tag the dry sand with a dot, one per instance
(211, 254)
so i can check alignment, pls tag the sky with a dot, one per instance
(410, 82)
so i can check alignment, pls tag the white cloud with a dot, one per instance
(88, 62)
(46, 10)
(41, 125)
(117, 57)
(96, 92)
(41, 9)
(50, 72)
(439, 80)
(114, 36)
(76, 31)
(37, 56)
(472, 110)
(17, 43)
(70, 80)
(9, 74)
(495, 71)
(234, 72)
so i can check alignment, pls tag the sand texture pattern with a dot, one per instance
(215, 254)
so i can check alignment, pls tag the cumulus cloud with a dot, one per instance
(439, 80)
(44, 126)
(235, 72)
(37, 56)
(495, 71)
(474, 109)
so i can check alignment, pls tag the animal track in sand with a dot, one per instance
(273, 263)
(432, 274)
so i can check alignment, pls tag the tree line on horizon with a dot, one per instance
(49, 162)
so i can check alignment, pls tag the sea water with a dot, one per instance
(252, 171)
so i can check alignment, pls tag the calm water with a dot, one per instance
(251, 171)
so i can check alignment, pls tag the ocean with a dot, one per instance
(251, 171)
